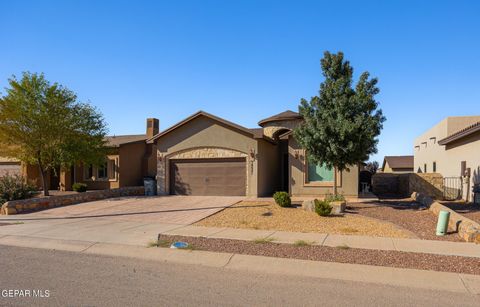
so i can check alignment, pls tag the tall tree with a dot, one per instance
(42, 124)
(340, 125)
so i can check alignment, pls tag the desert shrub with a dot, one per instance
(282, 199)
(14, 187)
(331, 197)
(79, 187)
(322, 207)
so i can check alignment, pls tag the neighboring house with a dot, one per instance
(452, 149)
(129, 160)
(397, 164)
(9, 166)
(207, 155)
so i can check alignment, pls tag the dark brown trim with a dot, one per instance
(460, 134)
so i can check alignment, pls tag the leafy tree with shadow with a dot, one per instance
(342, 123)
(43, 124)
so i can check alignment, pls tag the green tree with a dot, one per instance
(340, 125)
(42, 124)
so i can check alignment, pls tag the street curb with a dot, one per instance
(432, 280)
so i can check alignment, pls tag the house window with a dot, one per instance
(106, 171)
(319, 173)
(434, 167)
(425, 167)
(103, 171)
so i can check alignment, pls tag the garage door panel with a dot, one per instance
(208, 177)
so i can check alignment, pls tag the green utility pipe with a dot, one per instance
(442, 224)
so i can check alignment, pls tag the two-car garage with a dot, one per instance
(209, 176)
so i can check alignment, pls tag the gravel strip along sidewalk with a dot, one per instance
(404, 213)
(341, 254)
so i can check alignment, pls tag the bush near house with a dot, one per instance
(14, 187)
(282, 199)
(322, 207)
(79, 187)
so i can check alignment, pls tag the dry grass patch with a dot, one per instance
(269, 216)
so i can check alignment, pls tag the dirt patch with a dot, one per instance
(342, 254)
(468, 210)
(269, 216)
(406, 214)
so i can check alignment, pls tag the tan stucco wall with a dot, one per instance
(467, 149)
(130, 164)
(347, 181)
(203, 132)
(448, 158)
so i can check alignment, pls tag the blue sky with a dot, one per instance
(247, 60)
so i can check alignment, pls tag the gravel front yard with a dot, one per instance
(470, 210)
(333, 254)
(268, 215)
(404, 213)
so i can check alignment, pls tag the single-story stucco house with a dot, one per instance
(397, 164)
(208, 155)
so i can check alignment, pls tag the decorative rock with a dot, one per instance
(308, 205)
(338, 207)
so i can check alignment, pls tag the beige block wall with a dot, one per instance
(347, 181)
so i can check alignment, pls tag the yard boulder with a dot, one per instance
(338, 207)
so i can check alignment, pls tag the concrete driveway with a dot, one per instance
(127, 220)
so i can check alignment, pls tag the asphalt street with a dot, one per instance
(78, 279)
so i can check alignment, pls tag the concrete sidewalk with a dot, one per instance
(378, 243)
(452, 282)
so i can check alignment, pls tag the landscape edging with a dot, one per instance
(35, 204)
(467, 229)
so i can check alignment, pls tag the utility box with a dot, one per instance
(150, 186)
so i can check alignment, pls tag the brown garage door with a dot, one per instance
(208, 177)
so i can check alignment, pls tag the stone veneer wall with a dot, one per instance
(466, 229)
(163, 164)
(35, 204)
(271, 128)
(430, 184)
